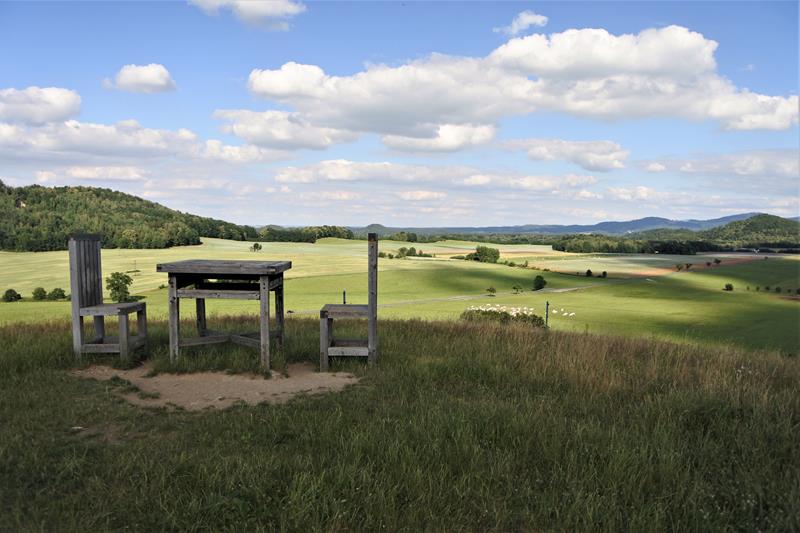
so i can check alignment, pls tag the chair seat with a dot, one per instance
(344, 311)
(112, 309)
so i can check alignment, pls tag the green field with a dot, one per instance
(686, 306)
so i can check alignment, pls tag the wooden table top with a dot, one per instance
(221, 267)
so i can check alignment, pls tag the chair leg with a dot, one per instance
(324, 343)
(77, 336)
(124, 337)
(99, 329)
(200, 306)
(141, 326)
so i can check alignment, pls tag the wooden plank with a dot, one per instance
(74, 290)
(112, 309)
(246, 341)
(348, 351)
(226, 286)
(124, 337)
(208, 339)
(345, 311)
(349, 342)
(264, 320)
(100, 348)
(200, 306)
(224, 267)
(323, 344)
(275, 282)
(372, 343)
(231, 295)
(174, 319)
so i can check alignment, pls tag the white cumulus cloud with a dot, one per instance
(152, 78)
(591, 155)
(522, 22)
(38, 105)
(418, 196)
(271, 12)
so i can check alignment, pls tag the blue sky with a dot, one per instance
(408, 113)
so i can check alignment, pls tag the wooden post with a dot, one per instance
(75, 287)
(124, 336)
(324, 322)
(264, 300)
(200, 305)
(174, 319)
(546, 313)
(372, 340)
(141, 326)
(279, 314)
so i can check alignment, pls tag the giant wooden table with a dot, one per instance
(248, 280)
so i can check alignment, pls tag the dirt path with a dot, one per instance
(204, 390)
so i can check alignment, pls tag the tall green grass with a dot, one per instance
(461, 426)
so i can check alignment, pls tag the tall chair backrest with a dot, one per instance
(85, 273)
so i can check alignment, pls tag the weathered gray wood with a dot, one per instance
(372, 341)
(124, 337)
(107, 347)
(86, 293)
(208, 339)
(224, 267)
(345, 310)
(246, 341)
(174, 319)
(74, 289)
(141, 326)
(227, 286)
(112, 309)
(279, 314)
(353, 351)
(99, 328)
(323, 343)
(213, 293)
(200, 306)
(264, 322)
(347, 342)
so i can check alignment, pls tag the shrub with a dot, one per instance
(717, 261)
(516, 315)
(391, 256)
(11, 296)
(56, 294)
(766, 288)
(381, 254)
(708, 263)
(484, 254)
(457, 257)
(777, 289)
(517, 289)
(525, 264)
(797, 291)
(39, 293)
(604, 274)
(491, 291)
(538, 283)
(679, 267)
(256, 247)
(588, 272)
(758, 288)
(688, 266)
(728, 286)
(511, 263)
(117, 284)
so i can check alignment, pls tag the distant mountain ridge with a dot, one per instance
(607, 228)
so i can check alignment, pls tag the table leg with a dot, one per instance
(124, 337)
(264, 300)
(174, 319)
(201, 316)
(99, 328)
(279, 316)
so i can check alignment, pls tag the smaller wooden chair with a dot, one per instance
(332, 347)
(86, 287)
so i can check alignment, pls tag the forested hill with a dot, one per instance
(35, 218)
(763, 230)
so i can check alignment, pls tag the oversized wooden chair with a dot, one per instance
(333, 347)
(86, 287)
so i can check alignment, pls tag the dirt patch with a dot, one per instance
(203, 390)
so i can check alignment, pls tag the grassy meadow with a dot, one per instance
(468, 427)
(687, 306)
